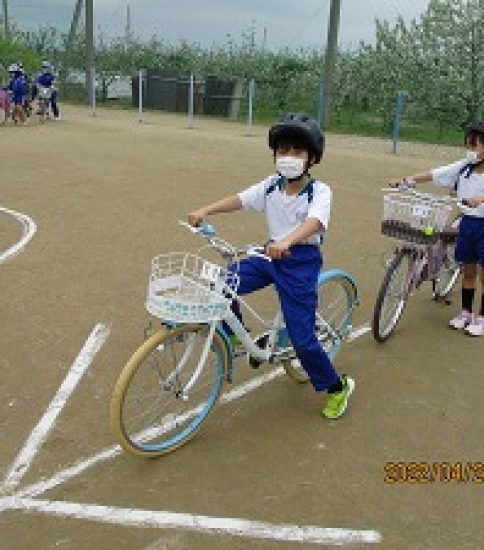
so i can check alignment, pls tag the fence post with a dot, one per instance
(92, 91)
(140, 95)
(320, 114)
(251, 105)
(190, 102)
(397, 119)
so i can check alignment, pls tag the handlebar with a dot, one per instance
(225, 249)
(429, 197)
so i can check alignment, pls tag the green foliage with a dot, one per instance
(12, 52)
(438, 61)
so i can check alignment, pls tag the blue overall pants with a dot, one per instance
(295, 279)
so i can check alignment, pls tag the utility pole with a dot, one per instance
(90, 67)
(128, 27)
(75, 22)
(70, 40)
(5, 20)
(330, 60)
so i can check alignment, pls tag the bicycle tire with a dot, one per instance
(448, 275)
(381, 330)
(336, 315)
(173, 418)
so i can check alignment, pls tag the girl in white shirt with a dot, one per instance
(467, 177)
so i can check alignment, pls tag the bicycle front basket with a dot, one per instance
(187, 288)
(410, 218)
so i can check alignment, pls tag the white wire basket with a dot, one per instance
(412, 218)
(187, 288)
(44, 93)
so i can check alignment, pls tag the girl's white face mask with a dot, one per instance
(290, 167)
(472, 157)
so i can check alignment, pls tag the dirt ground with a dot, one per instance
(106, 194)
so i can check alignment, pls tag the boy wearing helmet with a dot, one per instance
(466, 176)
(297, 209)
(46, 79)
(17, 89)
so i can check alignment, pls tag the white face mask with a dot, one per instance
(290, 167)
(472, 157)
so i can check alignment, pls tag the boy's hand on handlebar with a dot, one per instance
(197, 217)
(277, 251)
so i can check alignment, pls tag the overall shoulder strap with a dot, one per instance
(274, 185)
(466, 171)
(309, 189)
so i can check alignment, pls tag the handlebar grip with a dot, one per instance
(208, 230)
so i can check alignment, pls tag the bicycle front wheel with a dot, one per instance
(448, 275)
(393, 296)
(337, 298)
(161, 397)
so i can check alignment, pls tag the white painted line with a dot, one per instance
(111, 452)
(8, 503)
(202, 524)
(28, 231)
(359, 331)
(46, 423)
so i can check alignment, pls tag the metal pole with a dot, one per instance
(330, 59)
(5, 20)
(90, 67)
(320, 102)
(128, 27)
(397, 119)
(70, 39)
(251, 105)
(140, 95)
(190, 102)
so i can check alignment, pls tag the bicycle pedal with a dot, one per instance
(254, 363)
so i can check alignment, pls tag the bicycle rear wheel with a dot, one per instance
(393, 296)
(153, 412)
(337, 298)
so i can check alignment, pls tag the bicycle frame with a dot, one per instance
(270, 352)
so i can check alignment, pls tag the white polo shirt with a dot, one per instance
(467, 188)
(284, 213)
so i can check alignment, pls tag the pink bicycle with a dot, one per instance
(423, 251)
(4, 106)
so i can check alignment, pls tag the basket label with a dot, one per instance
(210, 272)
(421, 210)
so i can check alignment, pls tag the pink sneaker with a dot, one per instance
(462, 320)
(476, 327)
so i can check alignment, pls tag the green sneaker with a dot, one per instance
(337, 402)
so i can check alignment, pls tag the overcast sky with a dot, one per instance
(288, 23)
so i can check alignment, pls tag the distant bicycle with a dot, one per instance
(44, 97)
(5, 106)
(423, 251)
(171, 383)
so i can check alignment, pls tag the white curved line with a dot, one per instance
(29, 229)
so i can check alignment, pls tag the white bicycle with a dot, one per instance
(172, 382)
(44, 97)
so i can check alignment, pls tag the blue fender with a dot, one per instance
(332, 273)
(230, 352)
